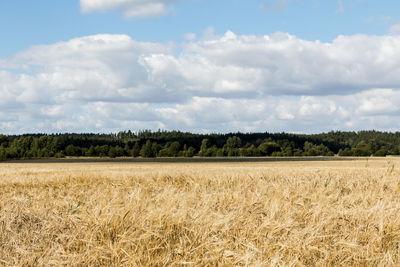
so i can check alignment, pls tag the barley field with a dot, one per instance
(330, 213)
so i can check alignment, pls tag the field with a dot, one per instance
(328, 213)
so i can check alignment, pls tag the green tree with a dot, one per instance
(267, 148)
(119, 151)
(174, 149)
(72, 150)
(147, 151)
(311, 149)
(205, 144)
(91, 152)
(362, 149)
(155, 148)
(233, 142)
(127, 150)
(102, 151)
(3, 140)
(136, 150)
(112, 153)
(3, 155)
(190, 152)
(382, 152)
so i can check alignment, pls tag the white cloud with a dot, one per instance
(278, 82)
(379, 102)
(341, 7)
(189, 36)
(209, 33)
(395, 29)
(130, 8)
(278, 5)
(379, 19)
(280, 64)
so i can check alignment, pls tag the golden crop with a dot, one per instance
(261, 214)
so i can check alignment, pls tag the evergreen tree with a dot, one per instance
(136, 150)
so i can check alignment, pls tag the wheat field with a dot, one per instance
(335, 213)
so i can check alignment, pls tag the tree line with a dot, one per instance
(183, 144)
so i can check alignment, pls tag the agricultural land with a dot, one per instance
(317, 213)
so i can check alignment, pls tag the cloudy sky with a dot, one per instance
(302, 66)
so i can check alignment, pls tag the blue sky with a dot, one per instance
(199, 65)
(25, 23)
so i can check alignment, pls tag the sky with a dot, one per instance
(204, 66)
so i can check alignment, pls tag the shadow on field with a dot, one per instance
(181, 160)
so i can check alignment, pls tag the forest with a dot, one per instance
(149, 144)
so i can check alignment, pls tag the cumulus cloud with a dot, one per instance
(258, 66)
(130, 8)
(276, 82)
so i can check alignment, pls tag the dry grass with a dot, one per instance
(299, 214)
